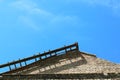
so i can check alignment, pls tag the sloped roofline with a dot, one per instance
(51, 53)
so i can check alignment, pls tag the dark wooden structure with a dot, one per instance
(26, 63)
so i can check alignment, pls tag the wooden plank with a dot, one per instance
(39, 55)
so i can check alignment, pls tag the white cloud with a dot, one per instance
(28, 22)
(32, 10)
(29, 7)
(114, 5)
(97, 2)
(72, 20)
(1, 0)
(107, 3)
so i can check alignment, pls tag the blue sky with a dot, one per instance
(31, 26)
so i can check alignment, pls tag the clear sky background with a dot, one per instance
(31, 26)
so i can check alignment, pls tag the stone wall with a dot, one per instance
(74, 62)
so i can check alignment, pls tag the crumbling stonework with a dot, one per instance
(75, 62)
(66, 63)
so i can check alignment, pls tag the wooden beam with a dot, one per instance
(39, 55)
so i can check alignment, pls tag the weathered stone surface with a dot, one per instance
(74, 62)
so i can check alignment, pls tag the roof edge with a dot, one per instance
(88, 54)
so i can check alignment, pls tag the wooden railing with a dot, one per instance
(38, 57)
